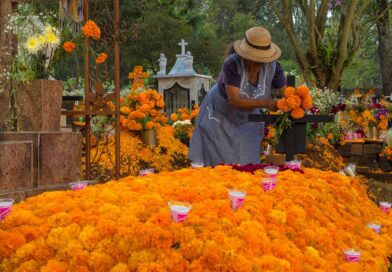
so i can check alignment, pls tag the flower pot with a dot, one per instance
(185, 142)
(149, 137)
(39, 105)
(293, 138)
(372, 133)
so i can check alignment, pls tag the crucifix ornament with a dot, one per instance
(98, 99)
(138, 77)
(182, 44)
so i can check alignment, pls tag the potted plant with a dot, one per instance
(183, 122)
(141, 111)
(36, 101)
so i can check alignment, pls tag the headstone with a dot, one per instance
(16, 162)
(39, 160)
(182, 86)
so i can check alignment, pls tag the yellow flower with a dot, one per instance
(33, 45)
(52, 38)
(42, 39)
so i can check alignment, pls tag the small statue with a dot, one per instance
(189, 61)
(162, 64)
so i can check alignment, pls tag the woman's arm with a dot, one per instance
(279, 91)
(234, 98)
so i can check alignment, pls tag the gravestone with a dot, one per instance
(182, 86)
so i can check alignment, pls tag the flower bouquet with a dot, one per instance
(142, 110)
(293, 105)
(183, 123)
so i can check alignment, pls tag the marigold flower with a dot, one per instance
(289, 91)
(307, 102)
(149, 125)
(173, 117)
(281, 104)
(293, 102)
(303, 91)
(90, 29)
(101, 58)
(125, 110)
(297, 113)
(160, 103)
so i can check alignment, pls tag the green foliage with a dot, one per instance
(151, 27)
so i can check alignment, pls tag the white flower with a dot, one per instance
(181, 123)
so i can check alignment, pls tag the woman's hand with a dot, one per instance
(270, 104)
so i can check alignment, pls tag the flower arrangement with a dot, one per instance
(304, 224)
(182, 129)
(169, 155)
(142, 110)
(183, 122)
(38, 44)
(294, 104)
(387, 150)
(92, 31)
(326, 100)
(269, 136)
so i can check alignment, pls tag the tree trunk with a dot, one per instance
(384, 45)
(5, 63)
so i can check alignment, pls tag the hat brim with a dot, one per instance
(248, 52)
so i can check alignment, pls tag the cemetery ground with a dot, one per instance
(94, 168)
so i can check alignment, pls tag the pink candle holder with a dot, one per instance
(349, 171)
(293, 165)
(268, 184)
(146, 172)
(352, 255)
(385, 206)
(179, 210)
(349, 136)
(79, 185)
(271, 171)
(197, 164)
(5, 207)
(375, 227)
(237, 198)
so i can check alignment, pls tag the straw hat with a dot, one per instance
(257, 46)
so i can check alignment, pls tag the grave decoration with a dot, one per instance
(182, 86)
(291, 122)
(315, 220)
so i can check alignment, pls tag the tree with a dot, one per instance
(385, 44)
(331, 37)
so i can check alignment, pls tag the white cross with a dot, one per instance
(390, 97)
(182, 44)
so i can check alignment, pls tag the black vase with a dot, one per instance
(294, 137)
(185, 142)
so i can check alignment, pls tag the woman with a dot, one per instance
(222, 131)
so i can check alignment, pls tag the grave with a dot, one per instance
(38, 157)
(182, 86)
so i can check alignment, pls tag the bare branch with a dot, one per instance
(342, 50)
(321, 19)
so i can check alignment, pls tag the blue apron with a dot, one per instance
(222, 132)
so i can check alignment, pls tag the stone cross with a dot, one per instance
(389, 97)
(138, 77)
(182, 44)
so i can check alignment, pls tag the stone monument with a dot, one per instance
(182, 86)
(41, 157)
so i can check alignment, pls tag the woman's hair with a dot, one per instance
(229, 49)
